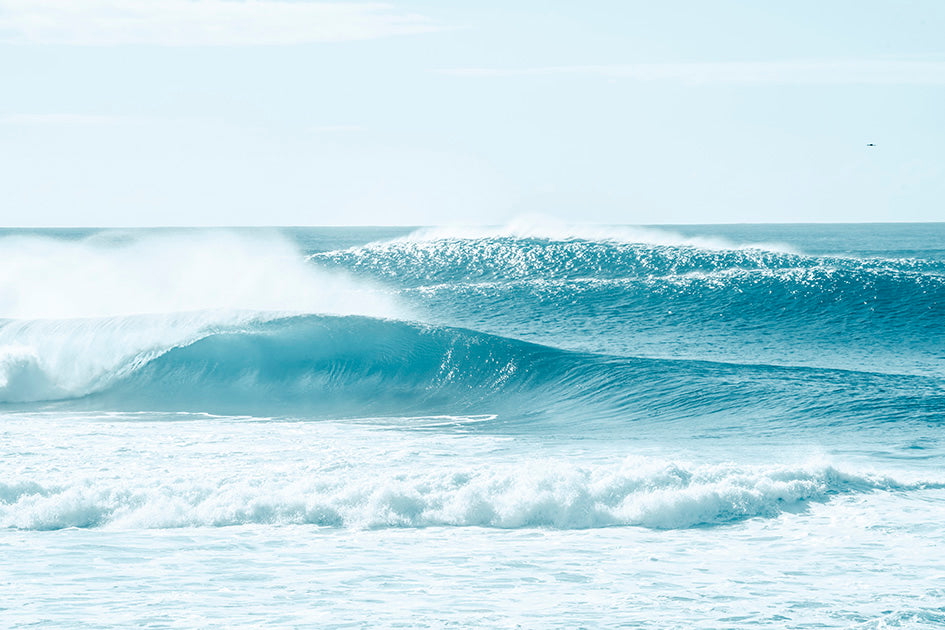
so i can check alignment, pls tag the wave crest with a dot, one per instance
(148, 272)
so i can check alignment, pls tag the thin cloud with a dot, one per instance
(69, 119)
(200, 22)
(336, 129)
(824, 72)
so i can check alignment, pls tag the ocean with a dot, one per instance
(538, 425)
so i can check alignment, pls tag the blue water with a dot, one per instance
(536, 425)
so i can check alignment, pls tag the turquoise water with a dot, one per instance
(537, 425)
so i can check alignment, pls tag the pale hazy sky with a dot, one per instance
(289, 112)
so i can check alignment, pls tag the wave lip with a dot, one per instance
(538, 493)
(438, 256)
(546, 228)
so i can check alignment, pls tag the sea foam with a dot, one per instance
(556, 494)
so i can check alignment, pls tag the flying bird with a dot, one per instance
(871, 145)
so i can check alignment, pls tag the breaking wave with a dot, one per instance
(234, 324)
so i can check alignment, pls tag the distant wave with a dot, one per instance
(752, 284)
(532, 493)
(823, 306)
(438, 255)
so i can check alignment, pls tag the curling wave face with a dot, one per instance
(350, 366)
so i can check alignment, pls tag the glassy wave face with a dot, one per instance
(746, 387)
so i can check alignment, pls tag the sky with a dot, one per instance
(290, 112)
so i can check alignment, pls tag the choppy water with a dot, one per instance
(529, 426)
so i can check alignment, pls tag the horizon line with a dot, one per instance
(435, 225)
